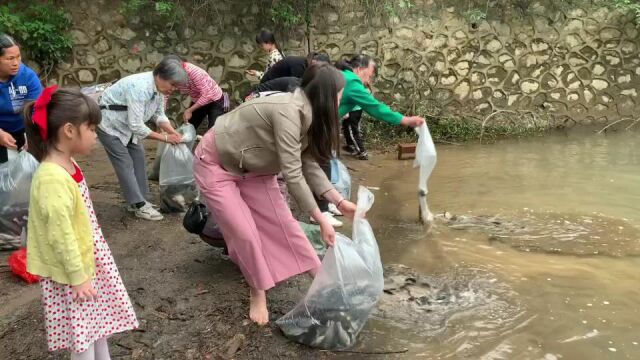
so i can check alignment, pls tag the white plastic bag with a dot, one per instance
(177, 183)
(95, 91)
(340, 178)
(344, 292)
(426, 160)
(15, 187)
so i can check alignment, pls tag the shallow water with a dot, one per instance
(556, 278)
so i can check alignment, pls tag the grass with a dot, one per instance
(380, 135)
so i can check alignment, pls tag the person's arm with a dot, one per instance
(322, 186)
(34, 87)
(286, 130)
(135, 118)
(358, 95)
(136, 103)
(56, 201)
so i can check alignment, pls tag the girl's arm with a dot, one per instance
(56, 202)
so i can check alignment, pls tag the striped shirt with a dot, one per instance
(201, 87)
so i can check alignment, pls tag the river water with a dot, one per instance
(539, 262)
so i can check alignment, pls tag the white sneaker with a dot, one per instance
(133, 208)
(334, 210)
(329, 216)
(147, 212)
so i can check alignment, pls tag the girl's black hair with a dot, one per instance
(66, 106)
(321, 84)
(268, 37)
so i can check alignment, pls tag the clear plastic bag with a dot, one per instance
(15, 187)
(425, 159)
(340, 178)
(95, 91)
(188, 137)
(346, 289)
(177, 183)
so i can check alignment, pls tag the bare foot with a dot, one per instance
(258, 308)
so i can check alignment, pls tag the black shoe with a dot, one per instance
(362, 156)
(349, 150)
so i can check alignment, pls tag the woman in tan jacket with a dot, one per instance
(236, 166)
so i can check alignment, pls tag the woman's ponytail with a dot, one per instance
(35, 144)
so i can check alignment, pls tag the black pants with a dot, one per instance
(211, 111)
(20, 141)
(352, 131)
(322, 203)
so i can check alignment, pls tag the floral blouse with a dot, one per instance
(274, 56)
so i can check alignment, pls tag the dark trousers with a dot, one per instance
(322, 203)
(352, 131)
(20, 141)
(211, 111)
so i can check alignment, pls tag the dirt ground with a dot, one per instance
(191, 301)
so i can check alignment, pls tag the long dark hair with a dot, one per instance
(356, 62)
(66, 106)
(321, 84)
(268, 37)
(6, 42)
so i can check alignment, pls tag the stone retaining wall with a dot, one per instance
(579, 64)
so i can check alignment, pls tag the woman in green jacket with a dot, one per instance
(357, 72)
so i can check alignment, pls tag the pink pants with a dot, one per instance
(263, 237)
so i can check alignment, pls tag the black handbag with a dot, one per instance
(195, 218)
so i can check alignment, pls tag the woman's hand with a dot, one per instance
(7, 140)
(252, 72)
(187, 115)
(84, 292)
(348, 209)
(327, 232)
(412, 121)
(173, 139)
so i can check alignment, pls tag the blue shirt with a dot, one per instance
(19, 89)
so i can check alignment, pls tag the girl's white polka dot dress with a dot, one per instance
(73, 325)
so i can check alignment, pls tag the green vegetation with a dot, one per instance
(41, 29)
(627, 6)
(163, 8)
(456, 129)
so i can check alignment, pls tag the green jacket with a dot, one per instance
(356, 94)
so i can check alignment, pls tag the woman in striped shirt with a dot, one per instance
(207, 98)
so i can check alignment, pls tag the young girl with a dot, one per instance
(83, 295)
(267, 42)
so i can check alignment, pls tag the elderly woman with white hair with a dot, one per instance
(126, 107)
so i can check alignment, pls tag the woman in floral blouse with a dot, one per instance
(267, 41)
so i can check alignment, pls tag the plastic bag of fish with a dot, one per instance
(426, 158)
(15, 186)
(346, 289)
(340, 178)
(177, 184)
